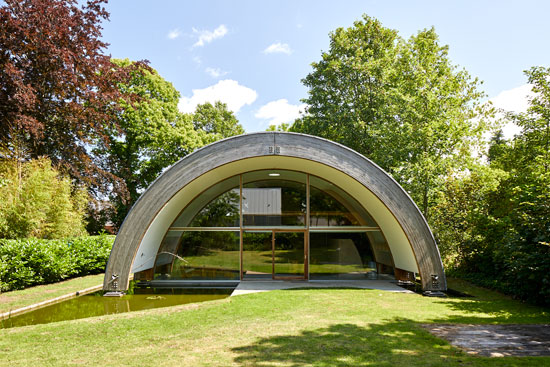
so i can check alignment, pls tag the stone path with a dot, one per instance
(254, 286)
(496, 340)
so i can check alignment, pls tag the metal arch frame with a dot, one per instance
(307, 147)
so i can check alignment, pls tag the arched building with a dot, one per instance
(274, 205)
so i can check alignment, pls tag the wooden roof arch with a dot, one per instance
(152, 213)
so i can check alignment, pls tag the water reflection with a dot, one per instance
(97, 305)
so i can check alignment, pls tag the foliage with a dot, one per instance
(216, 122)
(534, 140)
(111, 124)
(348, 89)
(493, 226)
(38, 202)
(400, 103)
(281, 127)
(150, 135)
(403, 104)
(58, 89)
(525, 253)
(464, 217)
(31, 261)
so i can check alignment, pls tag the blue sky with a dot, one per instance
(253, 54)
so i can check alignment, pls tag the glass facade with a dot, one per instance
(330, 206)
(288, 254)
(199, 255)
(274, 198)
(217, 206)
(257, 255)
(345, 255)
(273, 224)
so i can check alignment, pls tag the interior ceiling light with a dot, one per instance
(274, 174)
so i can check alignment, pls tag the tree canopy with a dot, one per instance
(151, 134)
(493, 222)
(215, 122)
(113, 125)
(58, 90)
(401, 103)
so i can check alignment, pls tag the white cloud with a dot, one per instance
(227, 91)
(205, 36)
(280, 111)
(174, 33)
(215, 72)
(513, 100)
(278, 48)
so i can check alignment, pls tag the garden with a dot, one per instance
(84, 134)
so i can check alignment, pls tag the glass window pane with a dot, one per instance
(288, 260)
(340, 255)
(218, 206)
(257, 255)
(200, 255)
(381, 252)
(331, 206)
(274, 198)
(167, 249)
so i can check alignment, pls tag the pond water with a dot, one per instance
(96, 305)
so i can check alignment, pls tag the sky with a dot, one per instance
(252, 55)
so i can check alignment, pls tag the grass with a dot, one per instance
(26, 297)
(311, 327)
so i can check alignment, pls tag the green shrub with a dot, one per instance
(32, 261)
(90, 254)
(38, 202)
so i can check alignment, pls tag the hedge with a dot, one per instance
(30, 261)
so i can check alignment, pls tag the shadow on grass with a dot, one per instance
(398, 343)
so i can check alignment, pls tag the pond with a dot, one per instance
(96, 305)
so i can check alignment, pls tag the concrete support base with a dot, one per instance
(434, 294)
(113, 294)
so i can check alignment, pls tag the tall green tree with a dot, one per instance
(150, 134)
(350, 88)
(534, 140)
(439, 118)
(530, 164)
(215, 122)
(401, 103)
(493, 223)
(527, 160)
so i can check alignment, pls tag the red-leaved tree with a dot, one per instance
(58, 89)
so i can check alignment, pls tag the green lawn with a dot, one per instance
(312, 327)
(26, 297)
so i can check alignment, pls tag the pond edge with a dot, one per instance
(19, 311)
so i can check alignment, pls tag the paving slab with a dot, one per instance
(496, 340)
(255, 286)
